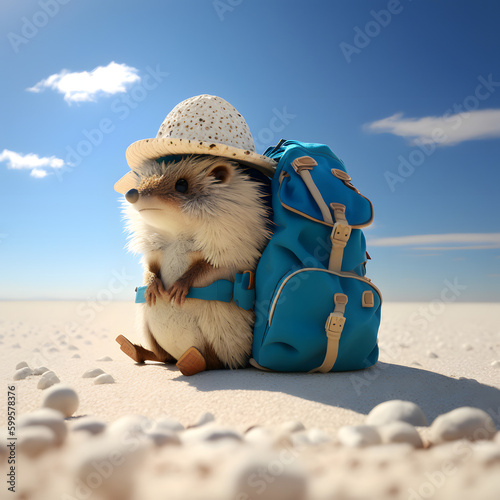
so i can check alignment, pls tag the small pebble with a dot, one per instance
(432, 355)
(22, 373)
(62, 398)
(53, 349)
(467, 347)
(495, 364)
(22, 364)
(93, 372)
(105, 378)
(310, 437)
(400, 432)
(168, 424)
(163, 437)
(462, 423)
(292, 426)
(105, 358)
(396, 410)
(205, 418)
(40, 370)
(130, 425)
(35, 440)
(72, 347)
(15, 346)
(76, 356)
(47, 380)
(47, 417)
(89, 424)
(358, 436)
(209, 433)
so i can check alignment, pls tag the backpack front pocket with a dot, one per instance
(295, 338)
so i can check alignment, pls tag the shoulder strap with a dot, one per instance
(242, 291)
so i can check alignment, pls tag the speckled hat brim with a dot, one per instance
(152, 149)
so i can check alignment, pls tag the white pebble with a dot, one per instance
(292, 426)
(467, 347)
(400, 432)
(462, 423)
(209, 433)
(105, 358)
(131, 425)
(168, 424)
(22, 373)
(62, 398)
(105, 378)
(47, 417)
(205, 418)
(359, 436)
(396, 410)
(495, 364)
(40, 370)
(22, 364)
(265, 437)
(89, 424)
(310, 437)
(432, 355)
(48, 379)
(93, 372)
(162, 437)
(34, 440)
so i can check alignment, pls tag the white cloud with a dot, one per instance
(37, 164)
(86, 86)
(451, 241)
(442, 130)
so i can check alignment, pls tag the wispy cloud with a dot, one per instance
(449, 129)
(37, 164)
(86, 86)
(450, 241)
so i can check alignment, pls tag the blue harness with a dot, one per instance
(241, 291)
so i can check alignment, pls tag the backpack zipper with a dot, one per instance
(342, 275)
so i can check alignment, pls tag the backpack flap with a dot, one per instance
(332, 185)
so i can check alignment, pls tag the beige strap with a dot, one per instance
(340, 235)
(260, 367)
(302, 166)
(333, 327)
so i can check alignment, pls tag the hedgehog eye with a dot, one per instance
(181, 185)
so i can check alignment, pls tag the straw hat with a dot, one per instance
(200, 125)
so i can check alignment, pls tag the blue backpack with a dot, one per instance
(315, 309)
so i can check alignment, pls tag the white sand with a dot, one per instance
(440, 356)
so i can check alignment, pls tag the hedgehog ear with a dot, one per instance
(222, 173)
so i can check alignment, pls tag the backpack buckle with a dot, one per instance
(303, 163)
(334, 326)
(340, 234)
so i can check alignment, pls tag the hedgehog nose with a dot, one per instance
(132, 195)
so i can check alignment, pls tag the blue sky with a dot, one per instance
(407, 93)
